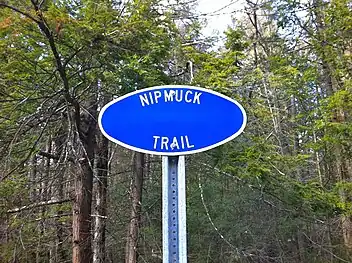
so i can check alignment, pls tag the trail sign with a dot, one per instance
(172, 120)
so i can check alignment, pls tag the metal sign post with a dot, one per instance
(174, 209)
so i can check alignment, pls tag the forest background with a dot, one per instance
(281, 192)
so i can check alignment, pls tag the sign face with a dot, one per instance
(172, 120)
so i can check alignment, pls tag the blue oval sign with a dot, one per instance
(172, 120)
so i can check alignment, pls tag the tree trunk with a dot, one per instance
(59, 145)
(346, 219)
(45, 195)
(100, 201)
(32, 178)
(81, 220)
(341, 168)
(136, 197)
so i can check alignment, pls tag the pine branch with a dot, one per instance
(19, 11)
(53, 216)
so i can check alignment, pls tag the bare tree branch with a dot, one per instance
(52, 156)
(44, 203)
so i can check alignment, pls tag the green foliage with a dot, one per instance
(274, 194)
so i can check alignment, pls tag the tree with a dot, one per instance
(280, 192)
(63, 34)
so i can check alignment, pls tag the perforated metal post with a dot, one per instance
(174, 210)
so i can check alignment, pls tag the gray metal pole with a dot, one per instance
(174, 209)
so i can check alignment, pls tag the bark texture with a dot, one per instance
(100, 201)
(136, 198)
(81, 220)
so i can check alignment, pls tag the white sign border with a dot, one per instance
(179, 152)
